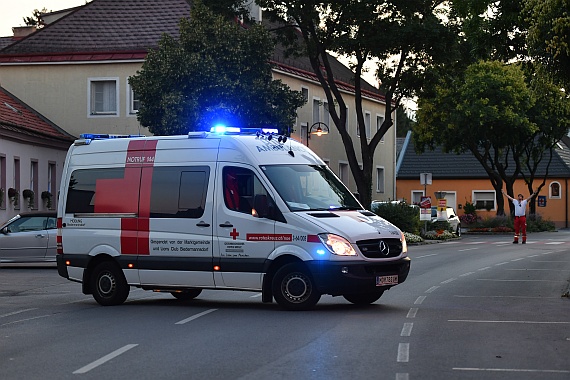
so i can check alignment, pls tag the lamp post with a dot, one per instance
(319, 128)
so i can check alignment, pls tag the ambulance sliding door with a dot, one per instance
(180, 225)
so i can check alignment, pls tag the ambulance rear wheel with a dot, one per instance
(187, 295)
(108, 284)
(363, 299)
(294, 289)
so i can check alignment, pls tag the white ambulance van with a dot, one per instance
(253, 212)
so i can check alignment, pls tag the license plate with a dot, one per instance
(386, 280)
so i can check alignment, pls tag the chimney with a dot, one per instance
(23, 31)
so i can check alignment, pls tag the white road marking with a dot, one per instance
(420, 257)
(419, 300)
(24, 320)
(555, 243)
(467, 249)
(402, 376)
(503, 263)
(403, 353)
(448, 281)
(432, 289)
(412, 313)
(466, 274)
(17, 312)
(484, 268)
(513, 370)
(517, 322)
(407, 329)
(195, 317)
(105, 358)
(496, 280)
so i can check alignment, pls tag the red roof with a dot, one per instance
(17, 117)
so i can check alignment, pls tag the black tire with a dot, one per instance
(458, 231)
(294, 289)
(108, 284)
(187, 295)
(363, 299)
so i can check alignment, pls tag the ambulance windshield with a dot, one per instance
(310, 188)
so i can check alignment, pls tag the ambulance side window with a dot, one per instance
(179, 192)
(81, 188)
(241, 186)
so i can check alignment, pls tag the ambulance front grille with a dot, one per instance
(380, 248)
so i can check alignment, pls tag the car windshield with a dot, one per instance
(310, 187)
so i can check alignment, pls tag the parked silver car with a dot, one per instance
(450, 216)
(29, 237)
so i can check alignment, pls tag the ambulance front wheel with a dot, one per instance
(363, 299)
(294, 289)
(108, 284)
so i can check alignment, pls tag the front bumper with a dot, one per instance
(356, 277)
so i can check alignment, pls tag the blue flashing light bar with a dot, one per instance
(222, 129)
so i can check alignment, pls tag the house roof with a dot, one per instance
(106, 26)
(21, 122)
(127, 30)
(465, 166)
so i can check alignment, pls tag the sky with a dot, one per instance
(13, 11)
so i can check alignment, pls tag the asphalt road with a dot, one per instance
(475, 308)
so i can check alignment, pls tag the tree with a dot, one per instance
(549, 36)
(217, 71)
(405, 36)
(405, 122)
(551, 115)
(36, 18)
(485, 113)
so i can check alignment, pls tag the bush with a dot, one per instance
(439, 225)
(535, 223)
(402, 215)
(438, 235)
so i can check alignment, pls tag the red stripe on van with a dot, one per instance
(144, 201)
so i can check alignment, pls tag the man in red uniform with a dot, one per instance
(520, 217)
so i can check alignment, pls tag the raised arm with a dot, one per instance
(532, 195)
(507, 195)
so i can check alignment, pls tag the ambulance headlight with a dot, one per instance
(404, 243)
(337, 245)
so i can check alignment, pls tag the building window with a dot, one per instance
(3, 182)
(555, 190)
(52, 178)
(133, 102)
(16, 181)
(343, 172)
(379, 122)
(326, 114)
(417, 196)
(305, 93)
(316, 111)
(103, 96)
(484, 200)
(380, 181)
(34, 182)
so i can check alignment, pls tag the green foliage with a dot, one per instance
(469, 208)
(535, 223)
(402, 215)
(439, 225)
(549, 35)
(217, 71)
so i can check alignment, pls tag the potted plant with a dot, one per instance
(13, 194)
(46, 197)
(29, 195)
